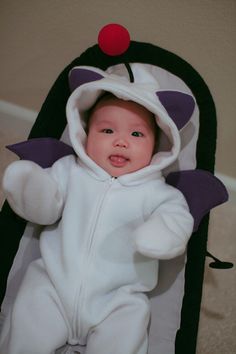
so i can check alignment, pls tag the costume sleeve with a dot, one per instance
(32, 192)
(165, 234)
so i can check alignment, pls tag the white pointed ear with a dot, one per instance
(179, 106)
(83, 74)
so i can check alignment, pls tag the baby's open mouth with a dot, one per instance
(118, 160)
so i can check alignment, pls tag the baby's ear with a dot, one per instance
(80, 75)
(179, 106)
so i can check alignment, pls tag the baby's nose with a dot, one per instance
(121, 142)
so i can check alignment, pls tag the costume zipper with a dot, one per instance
(80, 298)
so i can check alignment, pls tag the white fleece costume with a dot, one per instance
(104, 237)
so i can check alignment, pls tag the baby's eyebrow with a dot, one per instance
(139, 126)
(103, 122)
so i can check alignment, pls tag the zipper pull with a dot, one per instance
(112, 179)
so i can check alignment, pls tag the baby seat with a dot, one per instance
(175, 303)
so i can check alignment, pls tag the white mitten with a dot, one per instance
(32, 193)
(164, 236)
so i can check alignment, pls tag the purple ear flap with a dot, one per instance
(79, 76)
(179, 106)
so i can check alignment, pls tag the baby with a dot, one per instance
(110, 216)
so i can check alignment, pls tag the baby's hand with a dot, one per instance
(165, 247)
(31, 192)
(164, 236)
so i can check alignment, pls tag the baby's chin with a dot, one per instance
(120, 171)
(117, 166)
(117, 171)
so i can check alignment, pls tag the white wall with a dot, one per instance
(38, 38)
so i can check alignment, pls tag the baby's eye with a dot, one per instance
(138, 134)
(107, 131)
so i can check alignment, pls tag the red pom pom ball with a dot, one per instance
(113, 39)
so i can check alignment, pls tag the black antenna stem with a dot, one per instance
(131, 76)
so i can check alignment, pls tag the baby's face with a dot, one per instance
(121, 136)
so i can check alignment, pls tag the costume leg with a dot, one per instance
(35, 324)
(124, 330)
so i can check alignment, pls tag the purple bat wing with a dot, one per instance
(43, 151)
(202, 190)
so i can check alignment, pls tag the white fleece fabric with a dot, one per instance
(101, 243)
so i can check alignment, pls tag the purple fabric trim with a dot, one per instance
(79, 77)
(43, 151)
(180, 106)
(202, 190)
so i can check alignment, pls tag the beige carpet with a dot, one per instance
(217, 330)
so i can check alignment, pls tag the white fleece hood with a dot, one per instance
(172, 109)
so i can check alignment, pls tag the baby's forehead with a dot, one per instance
(108, 104)
(116, 109)
(112, 102)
